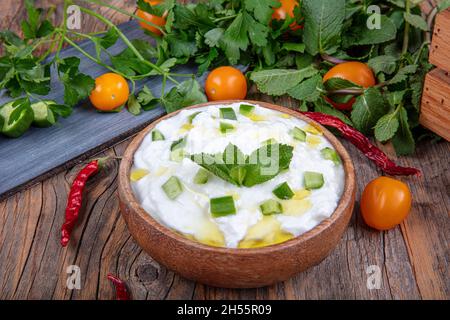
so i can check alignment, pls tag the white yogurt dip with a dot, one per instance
(189, 214)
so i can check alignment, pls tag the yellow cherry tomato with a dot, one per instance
(226, 83)
(385, 203)
(111, 91)
(156, 20)
(286, 9)
(354, 71)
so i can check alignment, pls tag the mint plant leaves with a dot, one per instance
(323, 25)
(260, 166)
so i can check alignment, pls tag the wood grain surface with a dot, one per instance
(435, 110)
(414, 258)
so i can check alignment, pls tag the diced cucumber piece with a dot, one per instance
(43, 116)
(270, 207)
(246, 109)
(330, 154)
(173, 188)
(221, 207)
(226, 127)
(20, 125)
(157, 135)
(269, 142)
(179, 144)
(228, 113)
(298, 134)
(313, 180)
(192, 117)
(283, 191)
(201, 177)
(177, 155)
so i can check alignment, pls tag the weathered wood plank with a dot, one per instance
(413, 258)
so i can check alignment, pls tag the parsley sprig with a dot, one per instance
(26, 74)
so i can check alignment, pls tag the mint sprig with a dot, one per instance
(260, 166)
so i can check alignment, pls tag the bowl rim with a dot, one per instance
(344, 201)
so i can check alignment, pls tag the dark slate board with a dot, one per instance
(43, 152)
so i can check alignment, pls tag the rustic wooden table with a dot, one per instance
(413, 259)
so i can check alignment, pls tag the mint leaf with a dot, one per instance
(266, 163)
(386, 64)
(403, 73)
(215, 165)
(308, 90)
(234, 167)
(395, 97)
(296, 47)
(324, 107)
(323, 24)
(416, 21)
(386, 127)
(339, 84)
(361, 35)
(367, 110)
(279, 81)
(403, 140)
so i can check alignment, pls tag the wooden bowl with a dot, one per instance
(235, 268)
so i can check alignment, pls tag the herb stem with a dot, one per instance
(128, 43)
(331, 59)
(407, 27)
(426, 43)
(87, 55)
(224, 18)
(347, 91)
(108, 5)
(64, 29)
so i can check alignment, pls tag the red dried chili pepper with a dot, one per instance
(363, 144)
(75, 198)
(121, 289)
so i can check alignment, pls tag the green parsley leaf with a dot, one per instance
(133, 106)
(146, 99)
(262, 9)
(186, 94)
